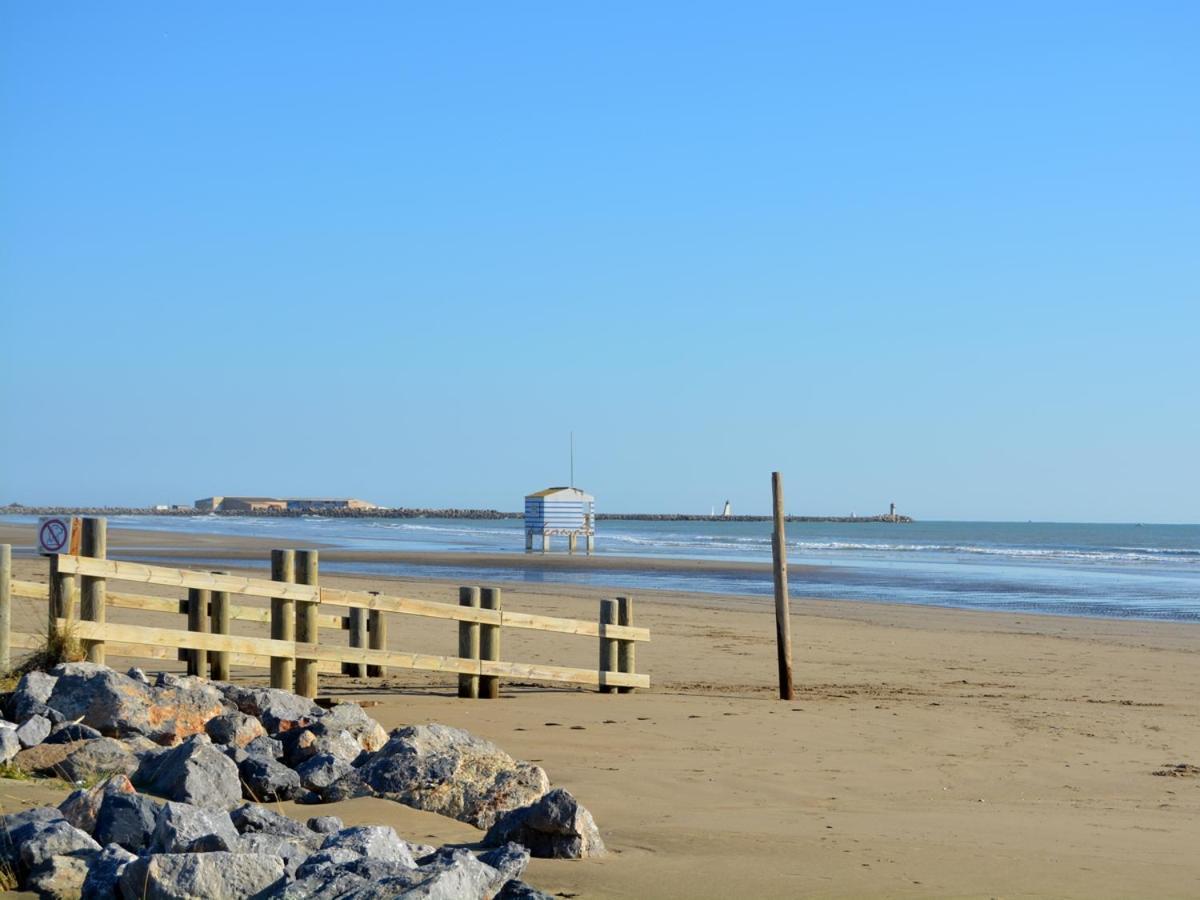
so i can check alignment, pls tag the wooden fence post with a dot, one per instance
(61, 592)
(626, 650)
(5, 608)
(783, 621)
(358, 638)
(218, 660)
(283, 619)
(197, 615)
(377, 636)
(93, 543)
(489, 644)
(608, 646)
(468, 643)
(307, 632)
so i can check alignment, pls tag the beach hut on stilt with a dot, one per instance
(565, 511)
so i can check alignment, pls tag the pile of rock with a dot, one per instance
(206, 747)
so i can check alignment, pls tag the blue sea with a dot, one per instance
(1118, 571)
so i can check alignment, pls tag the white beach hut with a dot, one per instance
(560, 510)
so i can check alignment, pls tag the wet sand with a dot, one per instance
(930, 752)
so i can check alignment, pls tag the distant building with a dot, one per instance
(727, 512)
(265, 504)
(564, 511)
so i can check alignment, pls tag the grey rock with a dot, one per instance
(251, 818)
(187, 876)
(126, 819)
(34, 708)
(375, 841)
(519, 890)
(10, 744)
(56, 838)
(327, 859)
(265, 746)
(194, 772)
(69, 732)
(347, 787)
(31, 694)
(277, 710)
(234, 728)
(292, 852)
(138, 675)
(452, 772)
(104, 873)
(555, 827)
(321, 771)
(59, 878)
(351, 717)
(19, 827)
(332, 881)
(183, 828)
(510, 860)
(98, 758)
(265, 780)
(325, 824)
(35, 730)
(118, 705)
(303, 744)
(453, 875)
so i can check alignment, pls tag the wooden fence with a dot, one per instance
(299, 609)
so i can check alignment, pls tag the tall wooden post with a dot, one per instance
(377, 637)
(783, 624)
(307, 570)
(358, 638)
(608, 646)
(626, 650)
(218, 660)
(283, 619)
(468, 643)
(197, 613)
(5, 608)
(489, 644)
(93, 543)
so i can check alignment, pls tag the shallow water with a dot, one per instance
(1123, 571)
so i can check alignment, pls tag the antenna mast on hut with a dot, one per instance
(572, 459)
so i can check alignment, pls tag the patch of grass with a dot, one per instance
(61, 645)
(11, 772)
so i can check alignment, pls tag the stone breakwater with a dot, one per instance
(180, 766)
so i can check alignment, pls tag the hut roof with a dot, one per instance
(567, 492)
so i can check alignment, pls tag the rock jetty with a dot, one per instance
(179, 768)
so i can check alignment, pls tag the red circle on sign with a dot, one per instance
(53, 535)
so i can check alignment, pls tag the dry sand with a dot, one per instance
(930, 753)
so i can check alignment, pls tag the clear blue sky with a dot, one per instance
(925, 252)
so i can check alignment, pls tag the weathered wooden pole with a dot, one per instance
(608, 646)
(626, 650)
(376, 637)
(92, 595)
(197, 614)
(218, 660)
(5, 608)
(783, 626)
(489, 644)
(307, 632)
(358, 638)
(61, 590)
(468, 643)
(283, 619)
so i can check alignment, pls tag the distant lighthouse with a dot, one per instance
(892, 512)
(727, 512)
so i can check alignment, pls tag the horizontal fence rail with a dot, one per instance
(299, 609)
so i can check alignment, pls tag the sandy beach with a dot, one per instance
(930, 752)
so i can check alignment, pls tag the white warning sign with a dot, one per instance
(58, 534)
